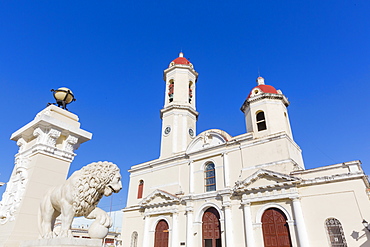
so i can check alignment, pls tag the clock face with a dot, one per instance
(191, 132)
(167, 130)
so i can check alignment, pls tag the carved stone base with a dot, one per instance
(63, 242)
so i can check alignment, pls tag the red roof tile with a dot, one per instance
(181, 60)
(265, 89)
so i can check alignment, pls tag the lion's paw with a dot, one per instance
(65, 234)
(49, 235)
(105, 220)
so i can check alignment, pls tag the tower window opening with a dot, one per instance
(261, 121)
(190, 91)
(170, 91)
(140, 189)
(210, 177)
(134, 237)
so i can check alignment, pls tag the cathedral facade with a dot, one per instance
(212, 189)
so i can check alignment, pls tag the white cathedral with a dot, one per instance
(212, 189)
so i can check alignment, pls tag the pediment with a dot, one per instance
(159, 197)
(207, 139)
(263, 179)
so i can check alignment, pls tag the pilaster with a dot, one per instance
(226, 206)
(191, 177)
(175, 230)
(226, 170)
(189, 225)
(248, 225)
(146, 233)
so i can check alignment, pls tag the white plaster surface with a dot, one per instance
(46, 149)
(254, 171)
(63, 242)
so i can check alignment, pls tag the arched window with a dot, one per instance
(261, 121)
(190, 91)
(171, 88)
(335, 232)
(134, 239)
(140, 189)
(210, 177)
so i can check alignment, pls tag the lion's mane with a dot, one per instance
(90, 184)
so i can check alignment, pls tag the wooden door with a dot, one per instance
(211, 228)
(161, 234)
(275, 229)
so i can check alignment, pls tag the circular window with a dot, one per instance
(191, 132)
(167, 130)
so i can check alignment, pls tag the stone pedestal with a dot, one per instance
(63, 242)
(46, 149)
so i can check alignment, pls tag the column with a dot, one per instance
(175, 134)
(175, 230)
(189, 226)
(184, 143)
(146, 235)
(301, 226)
(228, 222)
(226, 170)
(248, 226)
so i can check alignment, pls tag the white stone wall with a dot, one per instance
(46, 149)
(307, 197)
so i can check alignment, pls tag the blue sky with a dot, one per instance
(112, 55)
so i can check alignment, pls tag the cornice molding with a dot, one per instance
(263, 96)
(174, 107)
(187, 68)
(234, 144)
(333, 179)
(169, 199)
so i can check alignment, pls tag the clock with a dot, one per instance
(167, 130)
(191, 132)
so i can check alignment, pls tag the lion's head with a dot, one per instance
(94, 181)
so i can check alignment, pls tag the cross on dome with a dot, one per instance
(180, 60)
(260, 80)
(262, 88)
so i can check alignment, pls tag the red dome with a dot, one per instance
(181, 60)
(265, 89)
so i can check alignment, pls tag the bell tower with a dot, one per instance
(265, 111)
(179, 114)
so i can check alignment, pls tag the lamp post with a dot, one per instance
(366, 225)
(63, 97)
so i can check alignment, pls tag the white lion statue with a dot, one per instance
(78, 196)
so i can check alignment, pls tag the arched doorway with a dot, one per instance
(161, 234)
(211, 228)
(275, 229)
